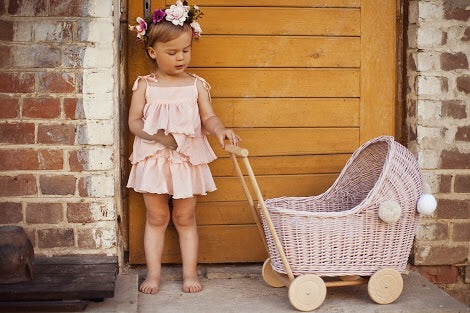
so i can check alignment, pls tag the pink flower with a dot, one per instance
(141, 27)
(158, 16)
(177, 14)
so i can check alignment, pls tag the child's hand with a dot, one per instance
(166, 140)
(229, 134)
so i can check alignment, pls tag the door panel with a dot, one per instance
(303, 82)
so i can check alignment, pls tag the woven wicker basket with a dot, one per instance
(339, 232)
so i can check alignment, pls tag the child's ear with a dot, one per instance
(152, 52)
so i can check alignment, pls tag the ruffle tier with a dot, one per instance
(169, 172)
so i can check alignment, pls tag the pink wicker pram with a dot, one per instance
(339, 233)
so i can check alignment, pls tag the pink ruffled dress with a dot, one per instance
(183, 172)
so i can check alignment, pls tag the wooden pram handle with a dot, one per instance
(238, 151)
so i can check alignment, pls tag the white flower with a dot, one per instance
(196, 28)
(177, 14)
(196, 7)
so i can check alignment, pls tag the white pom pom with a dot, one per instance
(427, 204)
(389, 211)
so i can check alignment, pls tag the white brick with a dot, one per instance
(100, 56)
(433, 181)
(98, 106)
(96, 133)
(99, 158)
(428, 110)
(430, 11)
(426, 232)
(412, 37)
(429, 85)
(100, 186)
(98, 81)
(428, 61)
(429, 137)
(101, 30)
(413, 12)
(100, 8)
(429, 37)
(22, 31)
(428, 159)
(103, 210)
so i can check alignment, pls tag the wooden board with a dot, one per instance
(276, 51)
(281, 3)
(66, 278)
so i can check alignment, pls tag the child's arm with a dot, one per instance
(136, 125)
(210, 121)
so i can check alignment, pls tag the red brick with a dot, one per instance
(462, 183)
(17, 82)
(440, 255)
(444, 38)
(456, 10)
(77, 160)
(461, 232)
(44, 213)
(83, 186)
(86, 239)
(463, 84)
(57, 134)
(466, 35)
(69, 7)
(467, 274)
(2, 7)
(73, 108)
(453, 209)
(463, 134)
(21, 185)
(57, 184)
(9, 107)
(454, 109)
(58, 82)
(454, 159)
(51, 159)
(41, 107)
(445, 184)
(432, 231)
(10, 213)
(439, 274)
(19, 159)
(27, 7)
(454, 61)
(79, 213)
(50, 238)
(17, 133)
(6, 60)
(31, 233)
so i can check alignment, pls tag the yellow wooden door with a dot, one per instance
(303, 82)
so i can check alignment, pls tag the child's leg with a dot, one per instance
(184, 218)
(158, 216)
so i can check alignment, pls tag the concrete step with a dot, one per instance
(125, 297)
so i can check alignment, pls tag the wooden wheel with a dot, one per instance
(385, 286)
(270, 276)
(307, 292)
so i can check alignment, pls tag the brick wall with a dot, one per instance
(438, 102)
(59, 159)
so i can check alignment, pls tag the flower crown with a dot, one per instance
(178, 14)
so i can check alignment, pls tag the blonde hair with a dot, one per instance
(165, 31)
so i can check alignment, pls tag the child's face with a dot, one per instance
(172, 57)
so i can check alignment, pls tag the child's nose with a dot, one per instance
(179, 56)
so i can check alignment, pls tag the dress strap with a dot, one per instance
(146, 78)
(204, 83)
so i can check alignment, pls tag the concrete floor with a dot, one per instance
(242, 289)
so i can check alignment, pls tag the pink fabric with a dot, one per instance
(157, 169)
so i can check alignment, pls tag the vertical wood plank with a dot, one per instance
(378, 69)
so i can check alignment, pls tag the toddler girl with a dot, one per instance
(170, 115)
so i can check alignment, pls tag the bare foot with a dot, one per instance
(151, 285)
(191, 285)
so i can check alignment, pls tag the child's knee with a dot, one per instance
(158, 218)
(186, 218)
